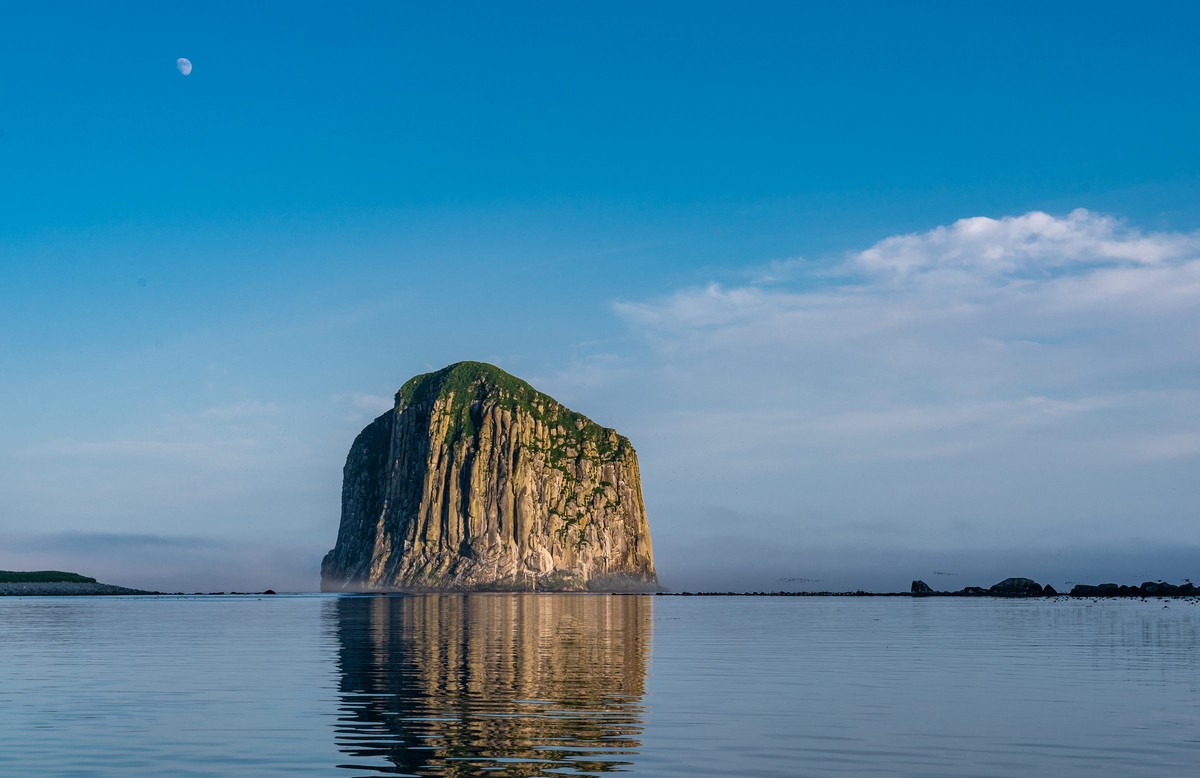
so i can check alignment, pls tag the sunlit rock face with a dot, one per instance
(476, 481)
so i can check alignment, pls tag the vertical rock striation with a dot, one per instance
(475, 480)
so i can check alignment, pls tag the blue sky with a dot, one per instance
(745, 235)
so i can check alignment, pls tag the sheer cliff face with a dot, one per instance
(477, 481)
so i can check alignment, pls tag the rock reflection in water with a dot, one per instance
(496, 684)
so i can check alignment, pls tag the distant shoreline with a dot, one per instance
(1023, 589)
(1009, 588)
(64, 588)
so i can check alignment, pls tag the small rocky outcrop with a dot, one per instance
(1017, 587)
(921, 589)
(1025, 587)
(1009, 587)
(476, 481)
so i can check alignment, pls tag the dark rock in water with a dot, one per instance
(269, 591)
(1147, 589)
(1049, 591)
(477, 481)
(974, 591)
(921, 589)
(1017, 587)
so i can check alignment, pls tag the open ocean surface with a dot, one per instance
(524, 684)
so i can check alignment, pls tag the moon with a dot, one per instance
(184, 64)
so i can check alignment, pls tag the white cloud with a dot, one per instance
(781, 270)
(959, 309)
(1037, 368)
(1035, 242)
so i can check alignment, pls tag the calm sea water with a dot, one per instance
(524, 685)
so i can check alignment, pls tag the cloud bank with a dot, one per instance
(1029, 382)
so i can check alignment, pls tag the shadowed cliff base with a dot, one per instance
(476, 481)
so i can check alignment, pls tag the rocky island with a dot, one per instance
(476, 481)
(44, 583)
(1026, 587)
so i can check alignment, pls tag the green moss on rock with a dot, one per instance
(465, 385)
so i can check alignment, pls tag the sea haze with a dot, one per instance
(524, 685)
